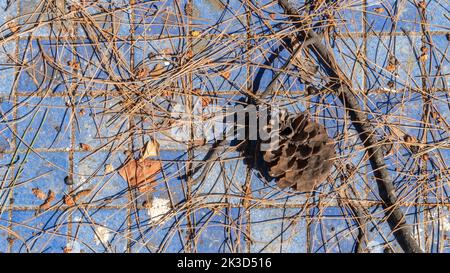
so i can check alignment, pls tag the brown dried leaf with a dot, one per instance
(83, 193)
(141, 174)
(48, 201)
(85, 147)
(72, 199)
(378, 10)
(391, 67)
(39, 194)
(68, 200)
(74, 64)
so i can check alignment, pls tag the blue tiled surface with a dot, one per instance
(273, 223)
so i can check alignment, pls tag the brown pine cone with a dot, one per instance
(301, 159)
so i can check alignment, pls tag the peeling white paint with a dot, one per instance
(159, 208)
(102, 235)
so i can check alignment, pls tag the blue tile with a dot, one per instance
(277, 230)
(100, 230)
(45, 171)
(44, 123)
(45, 232)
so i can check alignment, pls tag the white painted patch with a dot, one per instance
(159, 208)
(102, 236)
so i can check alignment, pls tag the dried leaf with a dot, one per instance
(391, 67)
(39, 194)
(48, 201)
(74, 64)
(68, 200)
(141, 174)
(72, 199)
(378, 10)
(151, 149)
(273, 16)
(85, 147)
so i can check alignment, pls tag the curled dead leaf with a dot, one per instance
(378, 10)
(74, 64)
(68, 200)
(47, 203)
(85, 147)
(151, 149)
(39, 194)
(141, 174)
(391, 67)
(71, 200)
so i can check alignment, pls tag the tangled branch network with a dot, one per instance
(119, 132)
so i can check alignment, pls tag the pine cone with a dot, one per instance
(301, 158)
